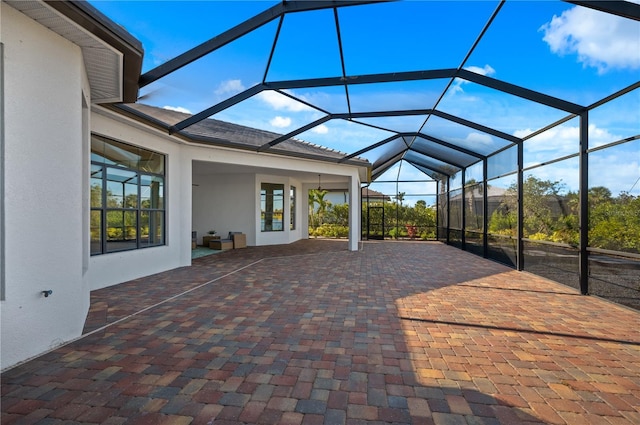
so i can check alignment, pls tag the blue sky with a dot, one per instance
(553, 47)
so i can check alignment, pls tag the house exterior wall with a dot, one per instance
(48, 119)
(302, 222)
(224, 203)
(44, 82)
(232, 210)
(113, 268)
(231, 203)
(337, 197)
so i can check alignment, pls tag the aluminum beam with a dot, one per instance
(390, 77)
(238, 31)
(423, 136)
(426, 170)
(625, 9)
(392, 154)
(438, 157)
(450, 145)
(584, 204)
(377, 172)
(294, 133)
(485, 210)
(211, 45)
(476, 126)
(371, 147)
(522, 92)
(520, 224)
(194, 119)
(463, 212)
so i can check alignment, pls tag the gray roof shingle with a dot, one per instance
(221, 133)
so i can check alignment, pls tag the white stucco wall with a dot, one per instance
(232, 214)
(301, 230)
(231, 203)
(224, 203)
(47, 127)
(117, 267)
(44, 79)
(337, 197)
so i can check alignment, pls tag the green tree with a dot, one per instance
(338, 214)
(614, 223)
(317, 207)
(547, 214)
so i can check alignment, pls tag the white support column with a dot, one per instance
(355, 210)
(303, 207)
(185, 210)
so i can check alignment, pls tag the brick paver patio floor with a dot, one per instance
(311, 333)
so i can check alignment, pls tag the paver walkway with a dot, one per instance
(311, 333)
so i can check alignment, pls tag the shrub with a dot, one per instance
(425, 236)
(330, 231)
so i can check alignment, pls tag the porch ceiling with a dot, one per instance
(204, 168)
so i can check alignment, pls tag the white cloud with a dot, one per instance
(281, 102)
(229, 87)
(178, 109)
(486, 70)
(621, 178)
(600, 40)
(280, 122)
(522, 133)
(560, 141)
(479, 138)
(321, 129)
(601, 136)
(560, 135)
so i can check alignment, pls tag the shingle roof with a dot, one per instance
(220, 133)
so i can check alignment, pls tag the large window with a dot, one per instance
(272, 207)
(127, 197)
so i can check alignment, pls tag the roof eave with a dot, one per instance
(93, 21)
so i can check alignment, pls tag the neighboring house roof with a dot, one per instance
(493, 192)
(366, 192)
(221, 133)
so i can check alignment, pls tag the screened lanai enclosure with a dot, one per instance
(513, 126)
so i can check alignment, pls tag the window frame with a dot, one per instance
(292, 207)
(132, 205)
(267, 202)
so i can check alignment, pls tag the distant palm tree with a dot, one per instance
(316, 196)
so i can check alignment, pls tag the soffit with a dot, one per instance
(104, 60)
